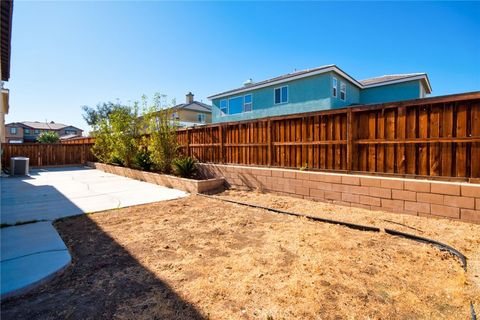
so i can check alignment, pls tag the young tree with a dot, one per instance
(48, 137)
(162, 130)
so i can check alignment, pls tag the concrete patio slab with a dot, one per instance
(49, 194)
(21, 274)
(34, 252)
(28, 239)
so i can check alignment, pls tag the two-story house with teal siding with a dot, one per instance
(322, 88)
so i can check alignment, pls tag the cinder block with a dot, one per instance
(460, 202)
(392, 183)
(262, 172)
(417, 206)
(404, 195)
(302, 191)
(419, 186)
(316, 176)
(350, 197)
(445, 211)
(333, 195)
(277, 173)
(371, 201)
(392, 204)
(380, 192)
(309, 183)
(445, 188)
(303, 175)
(370, 182)
(472, 190)
(430, 198)
(289, 174)
(353, 180)
(355, 189)
(338, 187)
(288, 188)
(321, 185)
(470, 215)
(318, 194)
(332, 178)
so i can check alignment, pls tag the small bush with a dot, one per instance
(48, 137)
(185, 167)
(143, 160)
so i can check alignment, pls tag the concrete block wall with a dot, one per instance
(452, 200)
(188, 185)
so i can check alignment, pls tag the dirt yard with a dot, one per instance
(198, 258)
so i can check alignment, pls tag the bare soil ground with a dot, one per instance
(198, 258)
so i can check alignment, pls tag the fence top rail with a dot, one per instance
(417, 102)
(30, 144)
(357, 108)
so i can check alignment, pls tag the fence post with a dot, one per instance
(269, 141)
(220, 137)
(349, 140)
(188, 142)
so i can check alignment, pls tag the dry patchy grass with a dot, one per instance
(202, 258)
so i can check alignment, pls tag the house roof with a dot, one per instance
(43, 125)
(395, 78)
(323, 69)
(6, 10)
(69, 136)
(195, 105)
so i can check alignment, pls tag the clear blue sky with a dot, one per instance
(69, 54)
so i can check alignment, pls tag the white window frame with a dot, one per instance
(226, 107)
(343, 89)
(280, 88)
(334, 87)
(245, 103)
(201, 117)
(13, 130)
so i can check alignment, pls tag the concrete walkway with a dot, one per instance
(34, 252)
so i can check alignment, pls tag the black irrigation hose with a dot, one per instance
(439, 245)
(342, 223)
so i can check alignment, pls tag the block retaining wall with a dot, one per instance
(188, 185)
(454, 200)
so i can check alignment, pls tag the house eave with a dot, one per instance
(422, 77)
(332, 68)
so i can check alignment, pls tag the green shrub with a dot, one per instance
(185, 167)
(48, 137)
(163, 143)
(143, 160)
(144, 140)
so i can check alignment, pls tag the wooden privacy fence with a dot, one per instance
(79, 140)
(437, 136)
(48, 154)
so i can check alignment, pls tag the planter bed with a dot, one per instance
(188, 185)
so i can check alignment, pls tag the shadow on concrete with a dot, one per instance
(104, 281)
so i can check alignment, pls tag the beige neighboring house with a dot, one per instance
(192, 113)
(28, 131)
(6, 10)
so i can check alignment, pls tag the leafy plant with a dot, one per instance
(143, 159)
(145, 140)
(162, 131)
(48, 137)
(185, 167)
